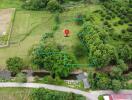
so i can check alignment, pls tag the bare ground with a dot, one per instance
(5, 18)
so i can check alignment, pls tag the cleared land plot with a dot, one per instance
(5, 20)
(27, 30)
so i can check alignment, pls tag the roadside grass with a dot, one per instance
(15, 93)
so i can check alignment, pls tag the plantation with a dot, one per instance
(100, 38)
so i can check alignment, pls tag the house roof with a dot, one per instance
(121, 96)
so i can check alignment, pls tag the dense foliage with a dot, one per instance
(15, 64)
(51, 5)
(99, 53)
(47, 56)
(43, 94)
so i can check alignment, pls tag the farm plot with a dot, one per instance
(6, 17)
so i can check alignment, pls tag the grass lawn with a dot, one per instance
(14, 93)
(27, 30)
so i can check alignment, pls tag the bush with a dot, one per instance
(79, 19)
(116, 85)
(54, 6)
(20, 77)
(108, 17)
(115, 24)
(79, 51)
(106, 22)
(123, 31)
(34, 4)
(126, 20)
(50, 80)
(15, 64)
(44, 94)
(129, 29)
(121, 22)
(130, 24)
(100, 97)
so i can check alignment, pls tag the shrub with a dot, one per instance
(34, 4)
(15, 64)
(46, 35)
(122, 16)
(121, 22)
(54, 6)
(100, 97)
(20, 77)
(116, 85)
(113, 15)
(44, 94)
(50, 80)
(102, 19)
(79, 51)
(109, 25)
(126, 20)
(108, 17)
(115, 24)
(130, 24)
(129, 29)
(79, 19)
(106, 22)
(123, 31)
(57, 18)
(55, 27)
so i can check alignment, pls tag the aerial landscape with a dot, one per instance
(65, 49)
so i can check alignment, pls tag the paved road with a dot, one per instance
(92, 95)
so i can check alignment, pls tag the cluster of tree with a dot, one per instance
(122, 11)
(52, 5)
(15, 64)
(48, 56)
(43, 94)
(100, 53)
(114, 79)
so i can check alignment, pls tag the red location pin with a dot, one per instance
(66, 32)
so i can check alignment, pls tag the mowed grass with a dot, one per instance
(15, 93)
(30, 25)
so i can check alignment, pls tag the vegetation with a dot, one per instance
(100, 37)
(20, 77)
(39, 94)
(15, 64)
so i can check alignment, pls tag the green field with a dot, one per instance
(14, 93)
(28, 27)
